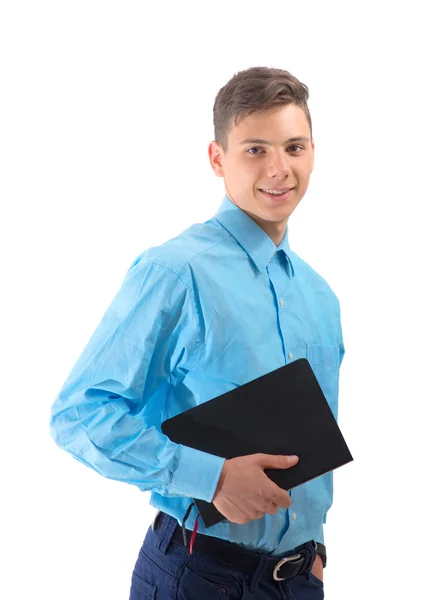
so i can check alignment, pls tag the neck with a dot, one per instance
(276, 231)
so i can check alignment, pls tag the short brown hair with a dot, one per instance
(256, 90)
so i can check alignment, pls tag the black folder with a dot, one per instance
(282, 412)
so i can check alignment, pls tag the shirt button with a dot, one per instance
(281, 302)
(290, 355)
(294, 516)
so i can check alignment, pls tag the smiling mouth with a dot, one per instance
(277, 194)
(277, 189)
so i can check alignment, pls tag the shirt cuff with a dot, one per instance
(197, 474)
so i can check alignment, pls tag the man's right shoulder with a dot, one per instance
(183, 250)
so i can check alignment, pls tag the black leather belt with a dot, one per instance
(246, 560)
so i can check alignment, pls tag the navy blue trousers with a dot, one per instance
(165, 570)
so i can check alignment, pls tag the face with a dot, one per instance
(266, 162)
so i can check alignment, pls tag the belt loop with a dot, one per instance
(312, 552)
(165, 532)
(258, 572)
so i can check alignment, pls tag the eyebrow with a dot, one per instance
(299, 138)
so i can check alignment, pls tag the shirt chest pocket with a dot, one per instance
(325, 362)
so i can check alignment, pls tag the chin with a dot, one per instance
(276, 213)
(272, 217)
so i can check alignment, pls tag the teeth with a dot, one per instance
(276, 193)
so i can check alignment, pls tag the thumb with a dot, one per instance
(278, 461)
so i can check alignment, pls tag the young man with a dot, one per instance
(221, 304)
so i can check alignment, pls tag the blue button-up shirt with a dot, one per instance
(209, 310)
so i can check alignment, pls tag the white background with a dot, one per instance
(106, 116)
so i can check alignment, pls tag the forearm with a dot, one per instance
(100, 432)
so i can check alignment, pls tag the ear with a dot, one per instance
(313, 155)
(216, 156)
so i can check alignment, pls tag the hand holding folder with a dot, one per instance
(245, 492)
(282, 413)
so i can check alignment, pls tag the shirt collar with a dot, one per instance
(251, 237)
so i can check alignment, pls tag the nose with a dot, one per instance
(278, 165)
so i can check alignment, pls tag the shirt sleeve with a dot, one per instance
(340, 335)
(107, 412)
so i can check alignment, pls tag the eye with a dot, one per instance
(254, 148)
(259, 148)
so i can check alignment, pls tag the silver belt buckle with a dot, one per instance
(282, 562)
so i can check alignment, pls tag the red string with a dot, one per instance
(194, 534)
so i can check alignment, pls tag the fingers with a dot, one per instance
(273, 497)
(277, 461)
(278, 496)
(280, 460)
(272, 509)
